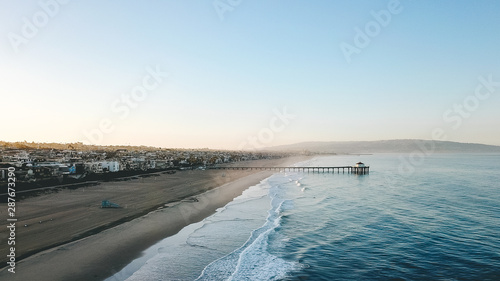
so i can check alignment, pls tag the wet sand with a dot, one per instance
(78, 240)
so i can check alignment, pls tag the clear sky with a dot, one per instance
(239, 70)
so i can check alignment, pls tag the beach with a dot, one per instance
(69, 237)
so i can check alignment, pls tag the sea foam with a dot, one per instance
(253, 260)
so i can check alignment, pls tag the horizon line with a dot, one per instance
(226, 149)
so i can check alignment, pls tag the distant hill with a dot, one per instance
(386, 146)
(70, 146)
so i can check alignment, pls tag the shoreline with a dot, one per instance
(100, 255)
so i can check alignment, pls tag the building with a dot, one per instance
(110, 166)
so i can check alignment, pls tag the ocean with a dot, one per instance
(413, 217)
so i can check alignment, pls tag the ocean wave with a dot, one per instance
(253, 261)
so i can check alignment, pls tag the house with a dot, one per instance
(110, 166)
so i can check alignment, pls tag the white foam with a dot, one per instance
(256, 263)
(252, 261)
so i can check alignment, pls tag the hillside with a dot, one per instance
(387, 146)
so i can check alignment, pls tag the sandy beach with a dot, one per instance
(69, 237)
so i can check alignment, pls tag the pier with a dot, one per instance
(344, 169)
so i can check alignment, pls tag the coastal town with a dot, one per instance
(66, 163)
(58, 193)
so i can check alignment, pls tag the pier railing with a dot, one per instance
(345, 169)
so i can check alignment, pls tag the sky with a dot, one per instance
(240, 74)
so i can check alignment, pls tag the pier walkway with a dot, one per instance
(345, 169)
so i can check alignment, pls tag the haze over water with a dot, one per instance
(438, 223)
